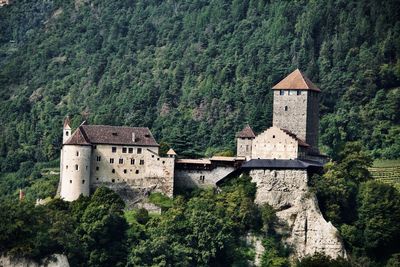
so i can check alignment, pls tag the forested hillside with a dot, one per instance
(194, 71)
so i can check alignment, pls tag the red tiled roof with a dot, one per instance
(112, 135)
(297, 81)
(247, 132)
(300, 141)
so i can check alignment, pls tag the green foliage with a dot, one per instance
(321, 260)
(161, 200)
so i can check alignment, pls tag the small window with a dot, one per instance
(163, 162)
(94, 147)
(125, 171)
(121, 161)
(158, 158)
(124, 150)
(298, 92)
(275, 174)
(77, 153)
(111, 160)
(77, 167)
(130, 150)
(281, 92)
(66, 133)
(139, 150)
(132, 161)
(113, 180)
(115, 134)
(70, 181)
(66, 167)
(83, 181)
(137, 171)
(286, 108)
(113, 171)
(97, 168)
(98, 158)
(86, 167)
(141, 162)
(113, 149)
(97, 178)
(273, 136)
(152, 156)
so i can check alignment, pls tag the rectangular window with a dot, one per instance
(113, 149)
(281, 92)
(130, 150)
(132, 161)
(137, 171)
(121, 161)
(124, 150)
(298, 92)
(77, 167)
(286, 108)
(141, 162)
(139, 150)
(97, 168)
(98, 158)
(77, 153)
(83, 181)
(111, 160)
(125, 171)
(94, 147)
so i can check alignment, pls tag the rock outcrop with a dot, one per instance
(56, 260)
(301, 220)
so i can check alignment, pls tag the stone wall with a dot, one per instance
(294, 119)
(75, 171)
(297, 209)
(200, 178)
(244, 146)
(274, 143)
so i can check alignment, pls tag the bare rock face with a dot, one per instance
(306, 229)
(56, 260)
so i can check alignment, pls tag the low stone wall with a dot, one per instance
(200, 178)
(298, 212)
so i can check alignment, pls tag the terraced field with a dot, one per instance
(387, 171)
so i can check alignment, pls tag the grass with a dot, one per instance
(161, 200)
(386, 171)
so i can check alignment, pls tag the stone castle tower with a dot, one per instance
(244, 141)
(296, 108)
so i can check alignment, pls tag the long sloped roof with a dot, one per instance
(296, 81)
(112, 135)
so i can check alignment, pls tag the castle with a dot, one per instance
(95, 155)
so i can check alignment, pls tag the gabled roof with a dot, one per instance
(247, 132)
(79, 137)
(112, 135)
(300, 141)
(296, 81)
(171, 152)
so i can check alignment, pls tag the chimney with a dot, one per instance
(133, 137)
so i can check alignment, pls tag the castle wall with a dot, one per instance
(138, 170)
(273, 143)
(298, 213)
(244, 147)
(75, 173)
(294, 118)
(200, 178)
(312, 120)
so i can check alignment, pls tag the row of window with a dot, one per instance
(290, 92)
(76, 167)
(121, 161)
(127, 150)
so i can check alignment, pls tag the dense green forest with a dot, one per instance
(194, 71)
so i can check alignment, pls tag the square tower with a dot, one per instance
(244, 140)
(296, 107)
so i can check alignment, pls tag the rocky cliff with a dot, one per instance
(56, 260)
(301, 221)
